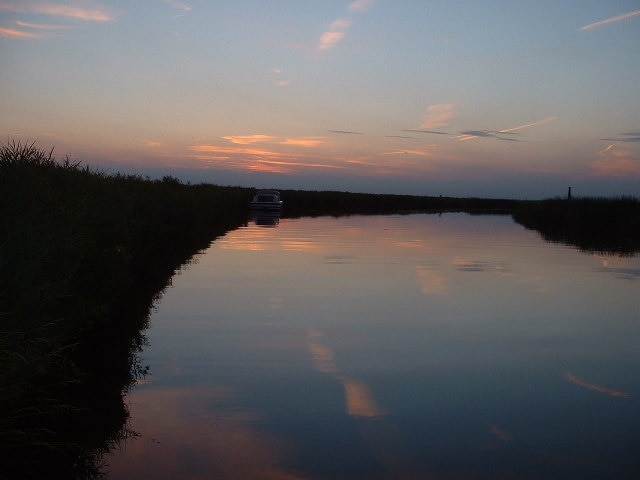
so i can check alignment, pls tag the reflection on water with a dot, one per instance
(265, 218)
(391, 347)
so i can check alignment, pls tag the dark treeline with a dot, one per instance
(84, 254)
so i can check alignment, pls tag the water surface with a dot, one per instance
(391, 347)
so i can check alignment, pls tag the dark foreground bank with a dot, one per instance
(83, 255)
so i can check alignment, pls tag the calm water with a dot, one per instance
(391, 347)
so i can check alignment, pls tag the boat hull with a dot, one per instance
(265, 206)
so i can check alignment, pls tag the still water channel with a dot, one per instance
(390, 347)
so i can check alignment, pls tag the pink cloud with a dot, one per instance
(95, 13)
(20, 34)
(439, 115)
(360, 5)
(616, 163)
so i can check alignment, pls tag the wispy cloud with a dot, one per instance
(303, 141)
(248, 139)
(606, 149)
(20, 34)
(251, 159)
(609, 21)
(439, 115)
(260, 138)
(520, 127)
(32, 31)
(418, 153)
(42, 26)
(153, 143)
(89, 12)
(346, 132)
(432, 132)
(360, 5)
(339, 27)
(336, 32)
(265, 153)
(596, 388)
(178, 5)
(471, 134)
(282, 82)
(631, 137)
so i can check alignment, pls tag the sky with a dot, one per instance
(493, 98)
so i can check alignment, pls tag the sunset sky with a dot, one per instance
(492, 98)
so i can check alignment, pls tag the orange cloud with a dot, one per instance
(257, 159)
(153, 143)
(21, 34)
(222, 149)
(98, 13)
(42, 26)
(248, 139)
(303, 141)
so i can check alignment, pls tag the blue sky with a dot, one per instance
(468, 98)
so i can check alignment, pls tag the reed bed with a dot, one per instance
(82, 255)
(593, 224)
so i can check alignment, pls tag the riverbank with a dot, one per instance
(83, 255)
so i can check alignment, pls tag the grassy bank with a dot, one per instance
(608, 225)
(82, 255)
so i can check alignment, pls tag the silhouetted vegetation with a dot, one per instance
(608, 225)
(313, 203)
(83, 255)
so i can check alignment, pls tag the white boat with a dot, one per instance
(266, 200)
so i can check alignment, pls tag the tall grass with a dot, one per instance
(594, 224)
(82, 255)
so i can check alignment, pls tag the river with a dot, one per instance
(448, 346)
